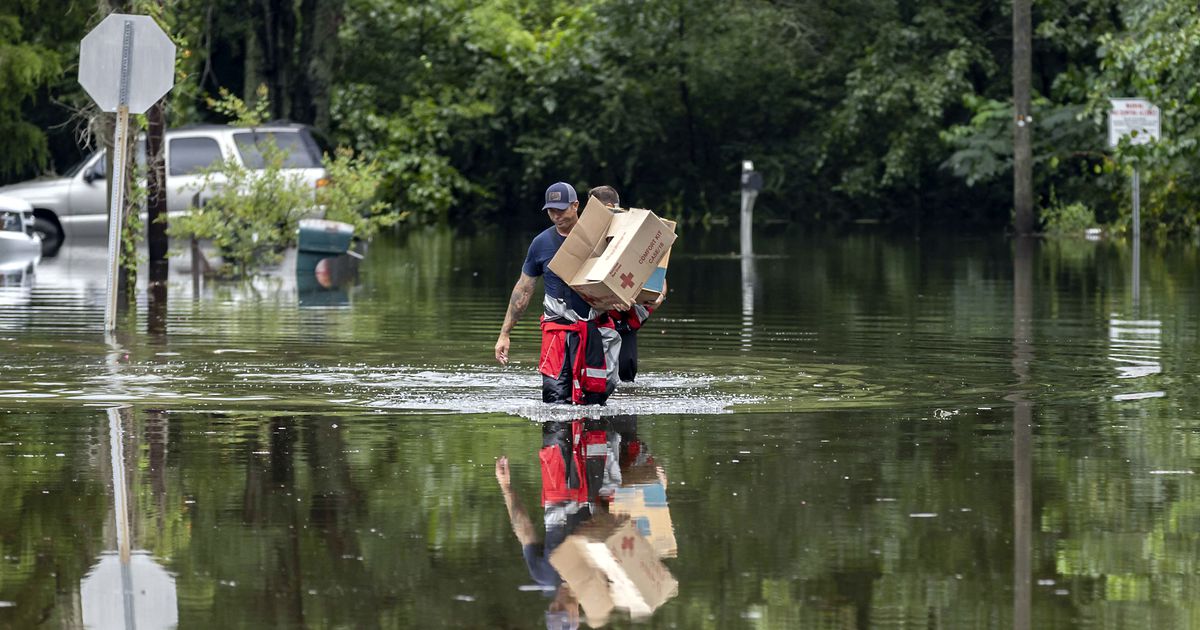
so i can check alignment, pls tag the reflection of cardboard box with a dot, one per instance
(646, 507)
(609, 565)
(608, 257)
(658, 279)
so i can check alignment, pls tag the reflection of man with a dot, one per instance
(579, 345)
(579, 474)
(627, 322)
(564, 609)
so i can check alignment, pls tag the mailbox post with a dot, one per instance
(751, 183)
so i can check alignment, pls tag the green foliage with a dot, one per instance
(859, 109)
(915, 71)
(1155, 58)
(351, 194)
(1070, 219)
(133, 229)
(406, 149)
(24, 67)
(237, 111)
(252, 214)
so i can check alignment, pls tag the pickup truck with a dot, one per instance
(76, 203)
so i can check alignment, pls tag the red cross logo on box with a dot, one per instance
(627, 280)
(627, 544)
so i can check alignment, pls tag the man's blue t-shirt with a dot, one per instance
(537, 261)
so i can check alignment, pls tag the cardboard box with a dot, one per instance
(608, 564)
(647, 509)
(658, 279)
(608, 257)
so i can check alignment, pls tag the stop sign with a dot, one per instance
(129, 45)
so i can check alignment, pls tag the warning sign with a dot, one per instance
(1136, 118)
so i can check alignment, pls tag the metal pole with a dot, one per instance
(1137, 204)
(1137, 240)
(116, 209)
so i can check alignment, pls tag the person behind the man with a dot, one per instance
(580, 347)
(627, 322)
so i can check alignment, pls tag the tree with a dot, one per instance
(32, 59)
(1023, 124)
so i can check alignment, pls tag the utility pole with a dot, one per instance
(1022, 131)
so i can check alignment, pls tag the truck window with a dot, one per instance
(298, 153)
(188, 156)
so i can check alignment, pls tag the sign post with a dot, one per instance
(1140, 121)
(126, 64)
(751, 183)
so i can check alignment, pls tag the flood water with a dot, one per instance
(854, 430)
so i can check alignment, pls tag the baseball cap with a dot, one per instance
(560, 195)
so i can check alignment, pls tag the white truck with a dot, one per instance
(76, 203)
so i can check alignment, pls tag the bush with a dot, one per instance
(1067, 220)
(251, 215)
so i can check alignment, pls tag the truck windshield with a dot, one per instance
(299, 151)
(74, 170)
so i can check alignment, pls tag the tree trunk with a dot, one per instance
(275, 22)
(156, 192)
(252, 69)
(319, 22)
(1022, 132)
(684, 94)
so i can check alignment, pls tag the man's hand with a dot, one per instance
(502, 345)
(503, 475)
(517, 304)
(612, 303)
(662, 296)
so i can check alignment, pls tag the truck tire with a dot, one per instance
(52, 235)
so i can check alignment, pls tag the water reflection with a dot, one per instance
(749, 287)
(126, 588)
(16, 285)
(296, 464)
(605, 522)
(17, 275)
(1136, 273)
(1022, 433)
(1135, 345)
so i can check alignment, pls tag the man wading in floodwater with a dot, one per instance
(580, 347)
